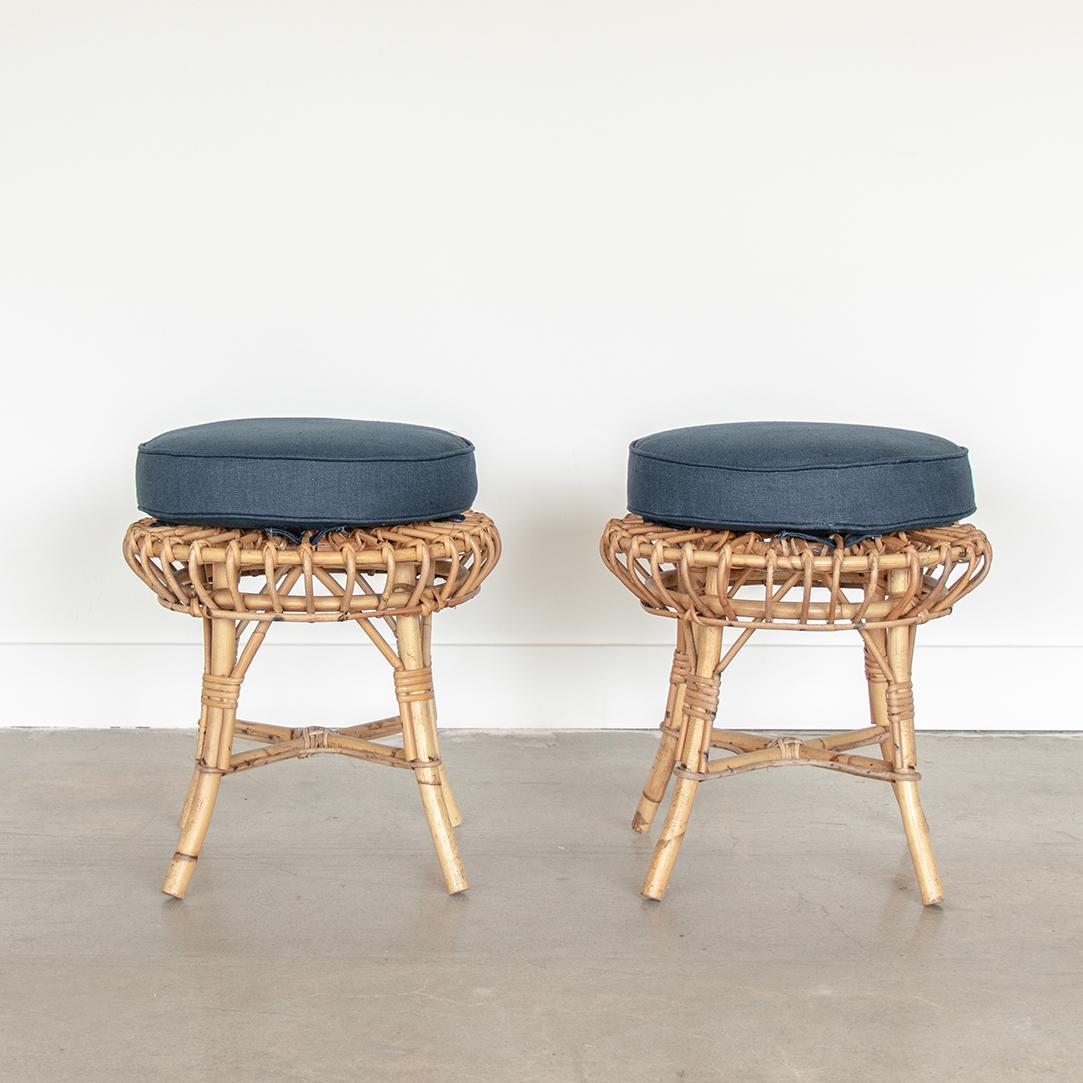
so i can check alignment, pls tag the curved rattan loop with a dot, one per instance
(345, 575)
(753, 580)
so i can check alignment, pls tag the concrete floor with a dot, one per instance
(317, 942)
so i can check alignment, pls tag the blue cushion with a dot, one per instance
(804, 477)
(304, 473)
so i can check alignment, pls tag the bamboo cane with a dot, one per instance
(454, 812)
(901, 716)
(696, 730)
(214, 759)
(418, 740)
(665, 756)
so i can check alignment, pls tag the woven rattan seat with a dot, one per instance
(334, 576)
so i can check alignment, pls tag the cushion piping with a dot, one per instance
(466, 450)
(963, 452)
(270, 521)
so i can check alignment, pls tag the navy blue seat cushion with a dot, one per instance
(304, 473)
(804, 477)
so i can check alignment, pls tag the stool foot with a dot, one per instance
(443, 837)
(644, 814)
(192, 835)
(180, 873)
(669, 841)
(919, 843)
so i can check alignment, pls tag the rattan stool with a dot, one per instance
(709, 580)
(239, 581)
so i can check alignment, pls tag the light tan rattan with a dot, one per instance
(710, 580)
(341, 576)
(751, 580)
(240, 582)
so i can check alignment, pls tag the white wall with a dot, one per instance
(551, 227)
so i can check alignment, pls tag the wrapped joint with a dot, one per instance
(873, 672)
(701, 697)
(682, 667)
(789, 747)
(413, 685)
(313, 739)
(900, 701)
(682, 770)
(221, 692)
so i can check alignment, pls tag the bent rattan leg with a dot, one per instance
(699, 707)
(193, 783)
(213, 750)
(454, 812)
(893, 703)
(666, 754)
(900, 708)
(413, 688)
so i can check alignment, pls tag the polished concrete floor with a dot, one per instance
(317, 942)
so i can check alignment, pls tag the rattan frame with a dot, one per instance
(882, 588)
(240, 582)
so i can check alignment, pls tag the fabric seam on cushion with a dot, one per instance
(269, 520)
(143, 450)
(798, 469)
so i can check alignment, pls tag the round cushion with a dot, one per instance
(805, 477)
(304, 473)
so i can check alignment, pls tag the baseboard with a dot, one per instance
(535, 687)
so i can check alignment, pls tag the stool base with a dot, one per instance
(241, 580)
(219, 727)
(684, 748)
(708, 580)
